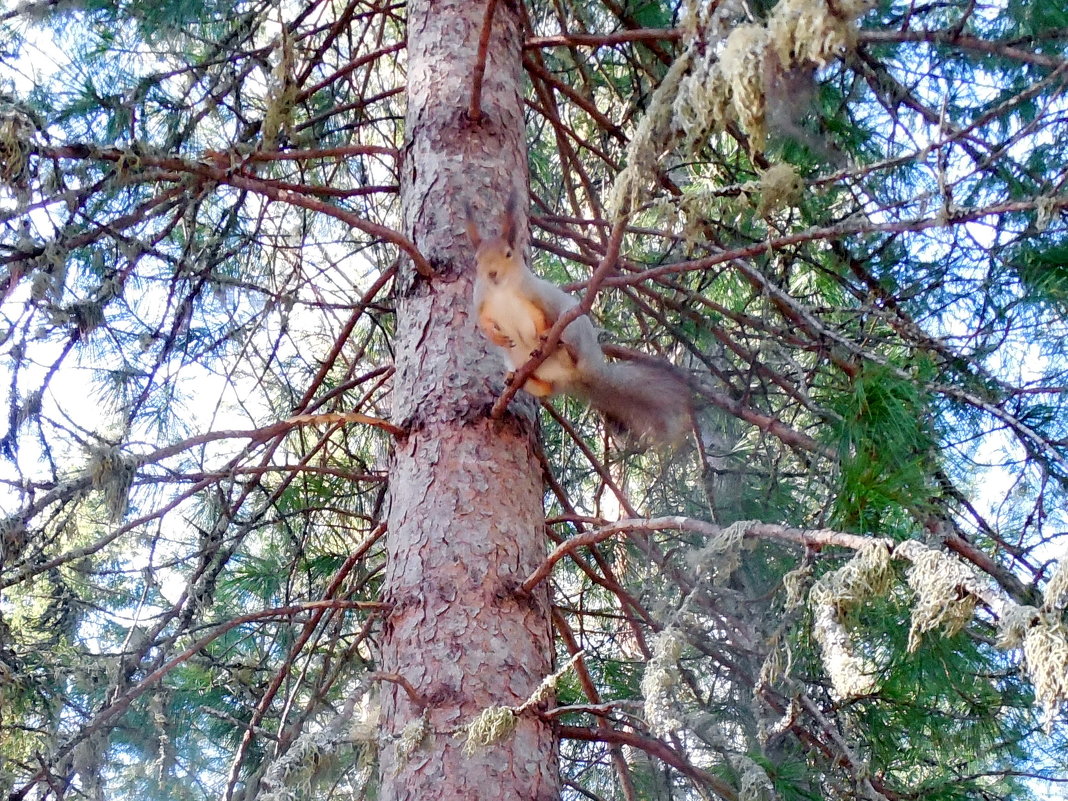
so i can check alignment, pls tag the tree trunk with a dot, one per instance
(465, 519)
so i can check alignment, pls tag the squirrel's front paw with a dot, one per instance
(501, 341)
(538, 387)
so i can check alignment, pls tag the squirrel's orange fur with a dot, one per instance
(515, 308)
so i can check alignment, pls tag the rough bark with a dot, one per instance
(465, 519)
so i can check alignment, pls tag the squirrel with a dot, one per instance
(515, 308)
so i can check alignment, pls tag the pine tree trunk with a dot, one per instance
(465, 519)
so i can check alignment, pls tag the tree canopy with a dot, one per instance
(842, 223)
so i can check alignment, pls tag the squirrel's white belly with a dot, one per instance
(512, 316)
(514, 320)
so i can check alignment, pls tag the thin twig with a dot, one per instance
(416, 697)
(474, 111)
(653, 747)
(603, 39)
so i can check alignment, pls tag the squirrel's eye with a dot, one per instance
(508, 253)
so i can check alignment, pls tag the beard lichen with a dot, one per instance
(13, 539)
(281, 94)
(720, 556)
(16, 145)
(794, 583)
(88, 316)
(87, 761)
(1055, 595)
(412, 736)
(814, 31)
(1043, 638)
(742, 66)
(702, 103)
(497, 722)
(30, 408)
(364, 719)
(1013, 626)
(779, 187)
(778, 663)
(754, 784)
(939, 581)
(1045, 647)
(658, 681)
(111, 472)
(866, 575)
(490, 725)
(650, 139)
(851, 676)
(316, 754)
(711, 86)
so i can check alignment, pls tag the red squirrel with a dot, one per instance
(515, 308)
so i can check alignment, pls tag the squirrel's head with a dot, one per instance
(495, 254)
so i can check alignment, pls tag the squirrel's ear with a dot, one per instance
(472, 228)
(508, 228)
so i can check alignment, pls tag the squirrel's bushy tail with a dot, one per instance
(646, 401)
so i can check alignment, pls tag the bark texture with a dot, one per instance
(465, 520)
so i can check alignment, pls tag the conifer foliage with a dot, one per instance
(276, 524)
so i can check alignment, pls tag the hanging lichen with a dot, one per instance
(51, 266)
(1055, 595)
(691, 19)
(939, 581)
(315, 754)
(13, 539)
(88, 763)
(754, 784)
(659, 680)
(281, 94)
(742, 65)
(30, 408)
(1045, 211)
(779, 187)
(708, 88)
(851, 676)
(702, 103)
(814, 31)
(16, 145)
(779, 661)
(166, 753)
(720, 556)
(1045, 647)
(1013, 626)
(649, 141)
(364, 725)
(293, 775)
(112, 473)
(88, 316)
(497, 722)
(411, 737)
(129, 163)
(1044, 640)
(548, 685)
(794, 584)
(866, 575)
(490, 725)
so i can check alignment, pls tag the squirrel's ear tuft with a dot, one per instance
(508, 226)
(472, 227)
